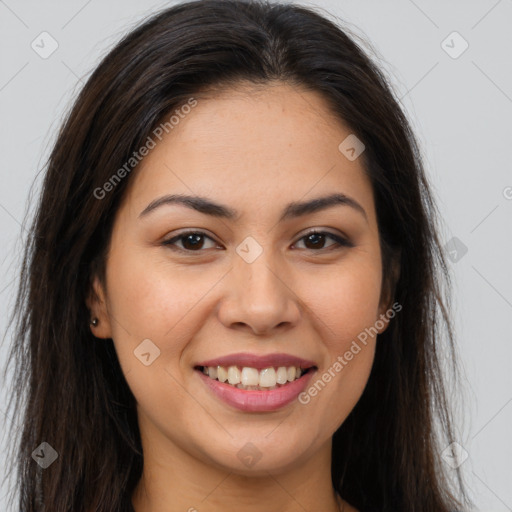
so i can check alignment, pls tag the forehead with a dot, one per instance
(250, 146)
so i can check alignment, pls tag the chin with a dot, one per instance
(273, 452)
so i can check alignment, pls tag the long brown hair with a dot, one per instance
(69, 390)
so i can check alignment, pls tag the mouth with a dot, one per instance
(256, 383)
(256, 399)
(249, 378)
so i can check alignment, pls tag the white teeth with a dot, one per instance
(222, 374)
(233, 375)
(282, 375)
(267, 377)
(251, 379)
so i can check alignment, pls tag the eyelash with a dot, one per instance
(340, 241)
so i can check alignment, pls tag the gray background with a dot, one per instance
(460, 108)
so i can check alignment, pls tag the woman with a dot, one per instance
(231, 298)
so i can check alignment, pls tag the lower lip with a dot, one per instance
(257, 401)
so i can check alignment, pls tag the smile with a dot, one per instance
(256, 383)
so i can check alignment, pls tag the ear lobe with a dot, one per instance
(97, 306)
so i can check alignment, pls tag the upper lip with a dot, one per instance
(258, 361)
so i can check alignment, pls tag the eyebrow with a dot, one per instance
(292, 210)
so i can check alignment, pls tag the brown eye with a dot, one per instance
(315, 240)
(192, 241)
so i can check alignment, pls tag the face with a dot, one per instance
(250, 287)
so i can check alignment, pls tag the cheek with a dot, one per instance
(151, 293)
(345, 305)
(345, 300)
(153, 299)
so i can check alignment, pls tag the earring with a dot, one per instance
(94, 322)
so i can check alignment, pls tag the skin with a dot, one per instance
(254, 150)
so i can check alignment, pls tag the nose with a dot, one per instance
(259, 297)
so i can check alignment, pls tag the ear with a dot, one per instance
(97, 306)
(388, 290)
